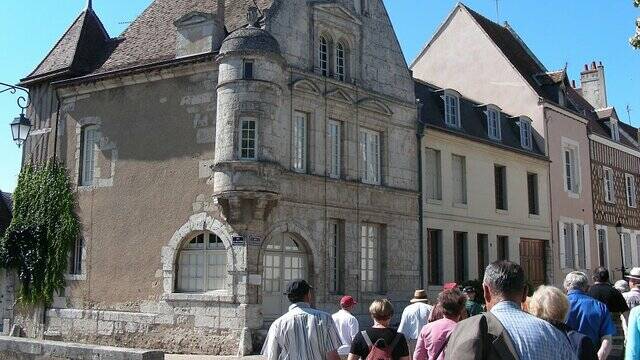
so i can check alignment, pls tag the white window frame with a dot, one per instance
(572, 170)
(89, 136)
(577, 226)
(630, 190)
(249, 135)
(341, 61)
(334, 137)
(299, 141)
(205, 252)
(494, 130)
(609, 185)
(451, 108)
(630, 239)
(370, 252)
(605, 230)
(615, 130)
(526, 134)
(335, 257)
(463, 180)
(370, 147)
(635, 243)
(323, 55)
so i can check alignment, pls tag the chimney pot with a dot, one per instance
(593, 65)
(600, 64)
(573, 84)
(586, 67)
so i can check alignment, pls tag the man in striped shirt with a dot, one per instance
(302, 333)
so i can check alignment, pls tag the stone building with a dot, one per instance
(218, 150)
(505, 72)
(615, 171)
(485, 189)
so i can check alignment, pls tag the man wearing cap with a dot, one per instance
(633, 295)
(473, 308)
(414, 317)
(303, 332)
(347, 324)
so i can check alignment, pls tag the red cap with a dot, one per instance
(347, 301)
(450, 286)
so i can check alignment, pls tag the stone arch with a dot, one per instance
(302, 235)
(198, 222)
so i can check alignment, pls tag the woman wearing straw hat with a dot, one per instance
(414, 317)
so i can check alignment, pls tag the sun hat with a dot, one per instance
(634, 274)
(419, 296)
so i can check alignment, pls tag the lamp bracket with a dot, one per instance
(23, 102)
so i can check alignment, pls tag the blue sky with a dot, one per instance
(573, 31)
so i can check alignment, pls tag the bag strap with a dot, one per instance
(444, 346)
(367, 339)
(394, 343)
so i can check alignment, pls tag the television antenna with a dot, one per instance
(498, 11)
(628, 109)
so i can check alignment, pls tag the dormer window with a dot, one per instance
(562, 98)
(323, 56)
(197, 33)
(493, 123)
(451, 109)
(340, 62)
(526, 140)
(615, 130)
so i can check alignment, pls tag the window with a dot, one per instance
(324, 56)
(370, 152)
(615, 131)
(459, 179)
(574, 245)
(336, 256)
(461, 262)
(566, 245)
(525, 134)
(202, 264)
(500, 181)
(630, 186)
(299, 141)
(581, 247)
(503, 247)
(334, 135)
(571, 172)
(532, 192)
(609, 194)
(247, 69)
(247, 138)
(361, 6)
(433, 174)
(493, 124)
(89, 140)
(637, 237)
(483, 254)
(75, 262)
(434, 254)
(369, 258)
(340, 62)
(602, 247)
(626, 250)
(452, 110)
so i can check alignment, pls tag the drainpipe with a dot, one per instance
(419, 134)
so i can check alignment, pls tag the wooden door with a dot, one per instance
(533, 261)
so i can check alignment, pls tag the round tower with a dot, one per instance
(251, 80)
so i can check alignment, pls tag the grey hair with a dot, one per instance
(504, 278)
(576, 280)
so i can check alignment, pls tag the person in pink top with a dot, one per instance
(434, 336)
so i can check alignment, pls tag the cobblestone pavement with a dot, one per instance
(210, 357)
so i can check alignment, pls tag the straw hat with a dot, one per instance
(419, 296)
(634, 274)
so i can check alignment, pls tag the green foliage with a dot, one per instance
(635, 40)
(43, 228)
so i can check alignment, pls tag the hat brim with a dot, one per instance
(634, 277)
(415, 300)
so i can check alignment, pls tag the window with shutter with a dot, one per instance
(569, 241)
(602, 247)
(637, 262)
(580, 247)
(433, 174)
(626, 250)
(335, 148)
(630, 187)
(608, 185)
(459, 179)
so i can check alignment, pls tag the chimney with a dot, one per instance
(573, 84)
(593, 84)
(220, 12)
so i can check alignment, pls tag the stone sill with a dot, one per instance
(502, 212)
(434, 202)
(70, 277)
(222, 296)
(460, 205)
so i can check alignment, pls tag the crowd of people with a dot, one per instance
(574, 323)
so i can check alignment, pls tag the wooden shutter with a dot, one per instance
(587, 246)
(432, 174)
(563, 250)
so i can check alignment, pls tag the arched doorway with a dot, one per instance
(284, 259)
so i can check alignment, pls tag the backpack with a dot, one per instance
(379, 350)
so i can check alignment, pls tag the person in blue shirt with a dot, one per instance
(632, 350)
(588, 315)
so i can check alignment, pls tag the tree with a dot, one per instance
(635, 39)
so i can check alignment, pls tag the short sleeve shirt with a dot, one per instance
(589, 316)
(359, 346)
(609, 296)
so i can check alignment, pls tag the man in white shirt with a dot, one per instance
(633, 296)
(347, 325)
(414, 317)
(303, 332)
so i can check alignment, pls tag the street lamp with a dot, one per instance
(21, 126)
(619, 231)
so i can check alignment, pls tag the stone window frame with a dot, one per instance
(334, 144)
(336, 35)
(605, 229)
(303, 151)
(336, 256)
(198, 223)
(378, 282)
(257, 116)
(575, 177)
(575, 224)
(83, 262)
(104, 144)
(324, 65)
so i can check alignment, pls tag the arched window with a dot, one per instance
(340, 62)
(202, 264)
(323, 54)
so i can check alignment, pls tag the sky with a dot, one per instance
(573, 32)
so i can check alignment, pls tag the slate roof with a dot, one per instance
(236, 12)
(473, 120)
(250, 39)
(80, 50)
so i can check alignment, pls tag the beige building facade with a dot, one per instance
(244, 148)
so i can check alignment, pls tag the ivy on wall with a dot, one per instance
(44, 227)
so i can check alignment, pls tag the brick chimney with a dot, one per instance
(594, 89)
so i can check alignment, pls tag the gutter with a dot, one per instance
(419, 135)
